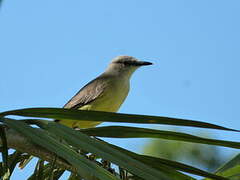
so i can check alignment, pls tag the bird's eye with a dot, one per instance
(123, 62)
(130, 63)
(126, 63)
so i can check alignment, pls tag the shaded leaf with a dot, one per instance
(47, 173)
(71, 114)
(15, 158)
(157, 162)
(231, 169)
(232, 163)
(51, 171)
(181, 167)
(84, 142)
(38, 172)
(133, 132)
(74, 177)
(24, 162)
(84, 167)
(4, 148)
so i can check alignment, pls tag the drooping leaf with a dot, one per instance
(38, 172)
(52, 168)
(232, 163)
(157, 162)
(231, 169)
(180, 166)
(71, 114)
(4, 148)
(133, 132)
(74, 176)
(82, 141)
(47, 173)
(15, 158)
(84, 167)
(23, 163)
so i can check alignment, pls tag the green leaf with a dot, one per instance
(47, 173)
(232, 163)
(53, 164)
(158, 162)
(23, 163)
(232, 173)
(71, 114)
(15, 158)
(74, 177)
(231, 169)
(38, 172)
(82, 141)
(6, 171)
(133, 132)
(180, 166)
(84, 167)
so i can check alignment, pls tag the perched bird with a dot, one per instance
(105, 93)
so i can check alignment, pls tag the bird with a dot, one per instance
(106, 93)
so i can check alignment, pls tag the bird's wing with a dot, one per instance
(87, 94)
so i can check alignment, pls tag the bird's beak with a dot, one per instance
(143, 63)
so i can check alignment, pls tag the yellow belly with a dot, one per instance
(109, 101)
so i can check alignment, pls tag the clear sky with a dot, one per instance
(50, 49)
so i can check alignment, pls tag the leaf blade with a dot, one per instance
(84, 142)
(71, 114)
(6, 170)
(173, 164)
(85, 167)
(134, 132)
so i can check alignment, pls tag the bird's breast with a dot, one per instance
(112, 98)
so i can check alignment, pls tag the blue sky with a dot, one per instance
(50, 49)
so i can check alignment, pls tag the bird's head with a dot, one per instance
(125, 65)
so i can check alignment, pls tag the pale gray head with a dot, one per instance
(125, 65)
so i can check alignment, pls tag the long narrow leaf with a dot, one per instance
(179, 166)
(82, 141)
(47, 173)
(231, 169)
(233, 162)
(155, 162)
(14, 158)
(51, 171)
(85, 168)
(133, 132)
(70, 114)
(38, 172)
(4, 147)
(25, 162)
